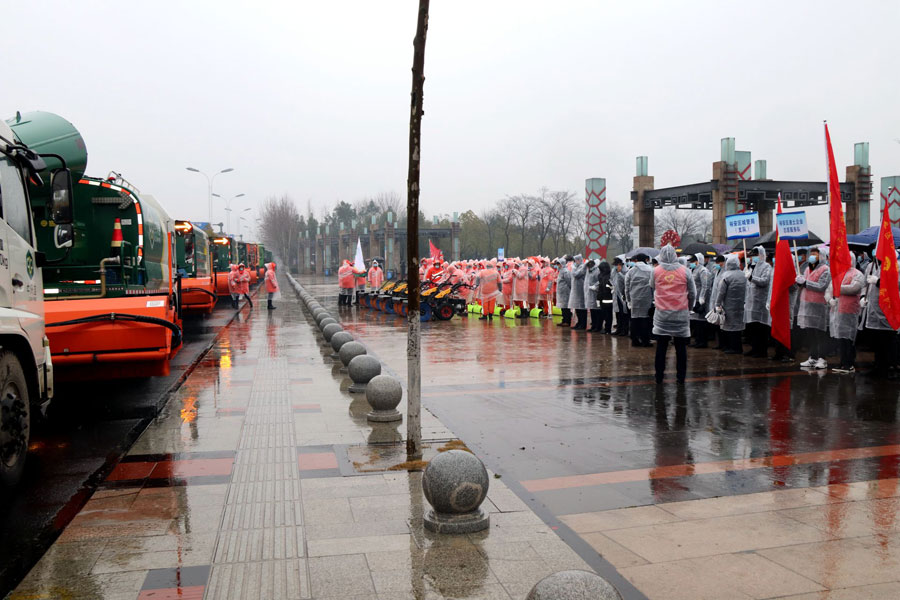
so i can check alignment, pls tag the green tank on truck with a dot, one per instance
(26, 365)
(224, 255)
(243, 256)
(112, 305)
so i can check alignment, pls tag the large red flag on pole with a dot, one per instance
(839, 254)
(888, 292)
(782, 280)
(435, 252)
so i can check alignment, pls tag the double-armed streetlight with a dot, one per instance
(209, 184)
(228, 202)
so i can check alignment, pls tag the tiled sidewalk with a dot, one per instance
(834, 542)
(243, 488)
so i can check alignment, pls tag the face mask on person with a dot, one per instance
(717, 267)
(755, 260)
(813, 259)
(692, 265)
(630, 263)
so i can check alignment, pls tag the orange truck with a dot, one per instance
(111, 299)
(194, 263)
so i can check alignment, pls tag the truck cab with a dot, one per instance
(194, 263)
(26, 368)
(224, 255)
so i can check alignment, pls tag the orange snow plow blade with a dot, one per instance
(112, 337)
(198, 295)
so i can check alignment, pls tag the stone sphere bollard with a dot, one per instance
(348, 352)
(573, 585)
(339, 339)
(331, 329)
(383, 393)
(455, 484)
(326, 322)
(362, 369)
(322, 316)
(318, 311)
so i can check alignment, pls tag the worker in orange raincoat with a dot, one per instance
(548, 280)
(232, 285)
(506, 284)
(271, 284)
(489, 289)
(242, 283)
(346, 283)
(376, 276)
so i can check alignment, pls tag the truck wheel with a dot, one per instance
(14, 420)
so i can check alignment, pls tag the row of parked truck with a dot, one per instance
(95, 276)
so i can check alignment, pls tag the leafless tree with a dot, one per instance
(544, 216)
(521, 206)
(388, 202)
(695, 224)
(280, 224)
(493, 222)
(619, 219)
(506, 211)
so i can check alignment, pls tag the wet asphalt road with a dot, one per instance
(575, 422)
(89, 427)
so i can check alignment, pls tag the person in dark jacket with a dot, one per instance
(623, 315)
(605, 299)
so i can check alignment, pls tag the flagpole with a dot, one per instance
(796, 260)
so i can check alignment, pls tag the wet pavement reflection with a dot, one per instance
(575, 424)
(262, 477)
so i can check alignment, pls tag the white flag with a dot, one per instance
(359, 264)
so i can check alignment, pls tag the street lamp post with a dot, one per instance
(209, 184)
(241, 227)
(228, 202)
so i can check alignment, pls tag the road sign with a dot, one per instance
(742, 225)
(792, 225)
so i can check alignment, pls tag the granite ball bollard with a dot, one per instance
(455, 484)
(573, 585)
(383, 393)
(326, 322)
(317, 312)
(331, 329)
(362, 369)
(338, 340)
(322, 316)
(348, 352)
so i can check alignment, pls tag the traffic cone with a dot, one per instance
(115, 246)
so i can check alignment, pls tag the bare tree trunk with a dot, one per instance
(414, 371)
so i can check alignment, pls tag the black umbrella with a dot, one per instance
(651, 252)
(698, 248)
(768, 240)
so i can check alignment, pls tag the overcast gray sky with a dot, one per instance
(312, 98)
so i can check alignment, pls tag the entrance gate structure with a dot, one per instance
(733, 189)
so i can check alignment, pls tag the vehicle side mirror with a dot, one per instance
(64, 236)
(61, 207)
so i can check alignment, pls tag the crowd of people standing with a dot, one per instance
(680, 301)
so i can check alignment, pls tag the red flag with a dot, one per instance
(782, 281)
(888, 292)
(839, 258)
(436, 253)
